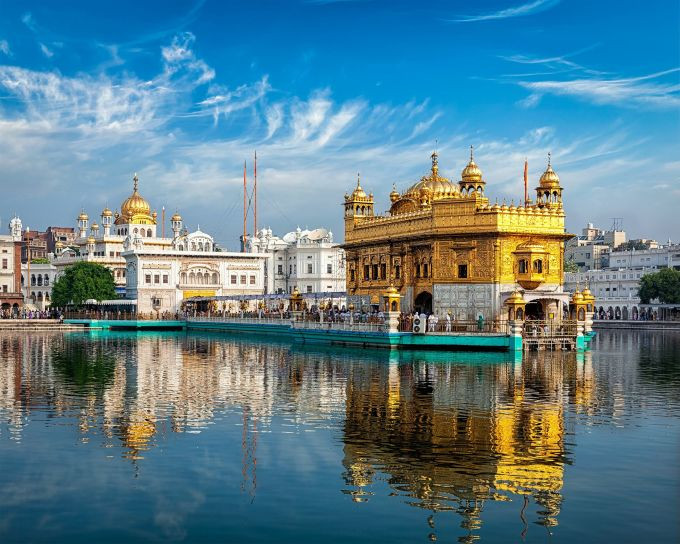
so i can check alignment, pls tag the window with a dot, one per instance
(47, 280)
(462, 271)
(243, 279)
(279, 269)
(397, 272)
(309, 268)
(329, 269)
(111, 253)
(165, 278)
(290, 268)
(367, 272)
(233, 279)
(417, 271)
(4, 288)
(374, 271)
(157, 278)
(351, 274)
(383, 271)
(309, 288)
(425, 271)
(252, 280)
(538, 266)
(523, 268)
(148, 278)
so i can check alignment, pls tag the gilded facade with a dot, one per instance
(446, 248)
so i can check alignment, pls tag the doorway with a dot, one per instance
(423, 303)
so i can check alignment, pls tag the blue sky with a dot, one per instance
(183, 92)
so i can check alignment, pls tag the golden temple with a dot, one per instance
(447, 249)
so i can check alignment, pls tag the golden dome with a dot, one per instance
(358, 193)
(59, 244)
(394, 195)
(135, 205)
(549, 177)
(107, 213)
(83, 216)
(576, 297)
(176, 217)
(471, 173)
(438, 186)
(90, 240)
(515, 298)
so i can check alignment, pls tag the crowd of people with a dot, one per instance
(25, 313)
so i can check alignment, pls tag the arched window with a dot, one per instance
(511, 314)
(207, 246)
(47, 296)
(206, 278)
(538, 266)
(32, 279)
(148, 233)
(40, 279)
(135, 231)
(520, 313)
(523, 266)
(40, 295)
(215, 278)
(200, 246)
(183, 277)
(193, 246)
(46, 281)
(192, 278)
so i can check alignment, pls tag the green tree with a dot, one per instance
(663, 285)
(632, 244)
(570, 266)
(83, 281)
(40, 261)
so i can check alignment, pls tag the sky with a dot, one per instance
(184, 92)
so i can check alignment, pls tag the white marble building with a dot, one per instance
(308, 260)
(36, 283)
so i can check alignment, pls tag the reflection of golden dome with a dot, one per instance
(549, 177)
(107, 213)
(90, 240)
(437, 186)
(59, 244)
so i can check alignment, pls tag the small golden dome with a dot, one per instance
(135, 204)
(95, 226)
(549, 177)
(515, 298)
(83, 216)
(176, 217)
(471, 173)
(358, 193)
(59, 244)
(586, 293)
(392, 290)
(107, 213)
(91, 240)
(577, 297)
(394, 194)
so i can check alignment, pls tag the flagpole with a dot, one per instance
(255, 198)
(526, 181)
(245, 209)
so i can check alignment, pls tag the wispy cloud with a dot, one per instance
(4, 47)
(529, 8)
(46, 51)
(649, 90)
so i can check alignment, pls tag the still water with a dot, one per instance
(125, 437)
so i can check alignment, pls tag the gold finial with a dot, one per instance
(472, 150)
(135, 179)
(435, 165)
(549, 158)
(358, 180)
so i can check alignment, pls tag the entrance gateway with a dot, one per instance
(423, 303)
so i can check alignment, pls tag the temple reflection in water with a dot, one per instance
(443, 432)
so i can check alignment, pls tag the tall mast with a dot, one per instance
(255, 199)
(526, 181)
(163, 219)
(245, 208)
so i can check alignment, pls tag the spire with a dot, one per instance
(435, 164)
(358, 180)
(526, 180)
(135, 179)
(549, 159)
(472, 153)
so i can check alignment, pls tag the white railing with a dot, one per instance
(248, 320)
(339, 326)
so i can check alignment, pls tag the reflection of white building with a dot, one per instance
(308, 260)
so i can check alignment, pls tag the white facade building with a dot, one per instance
(667, 256)
(159, 280)
(36, 284)
(307, 260)
(165, 270)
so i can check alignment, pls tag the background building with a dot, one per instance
(11, 298)
(307, 260)
(36, 283)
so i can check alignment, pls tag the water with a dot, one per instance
(121, 437)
